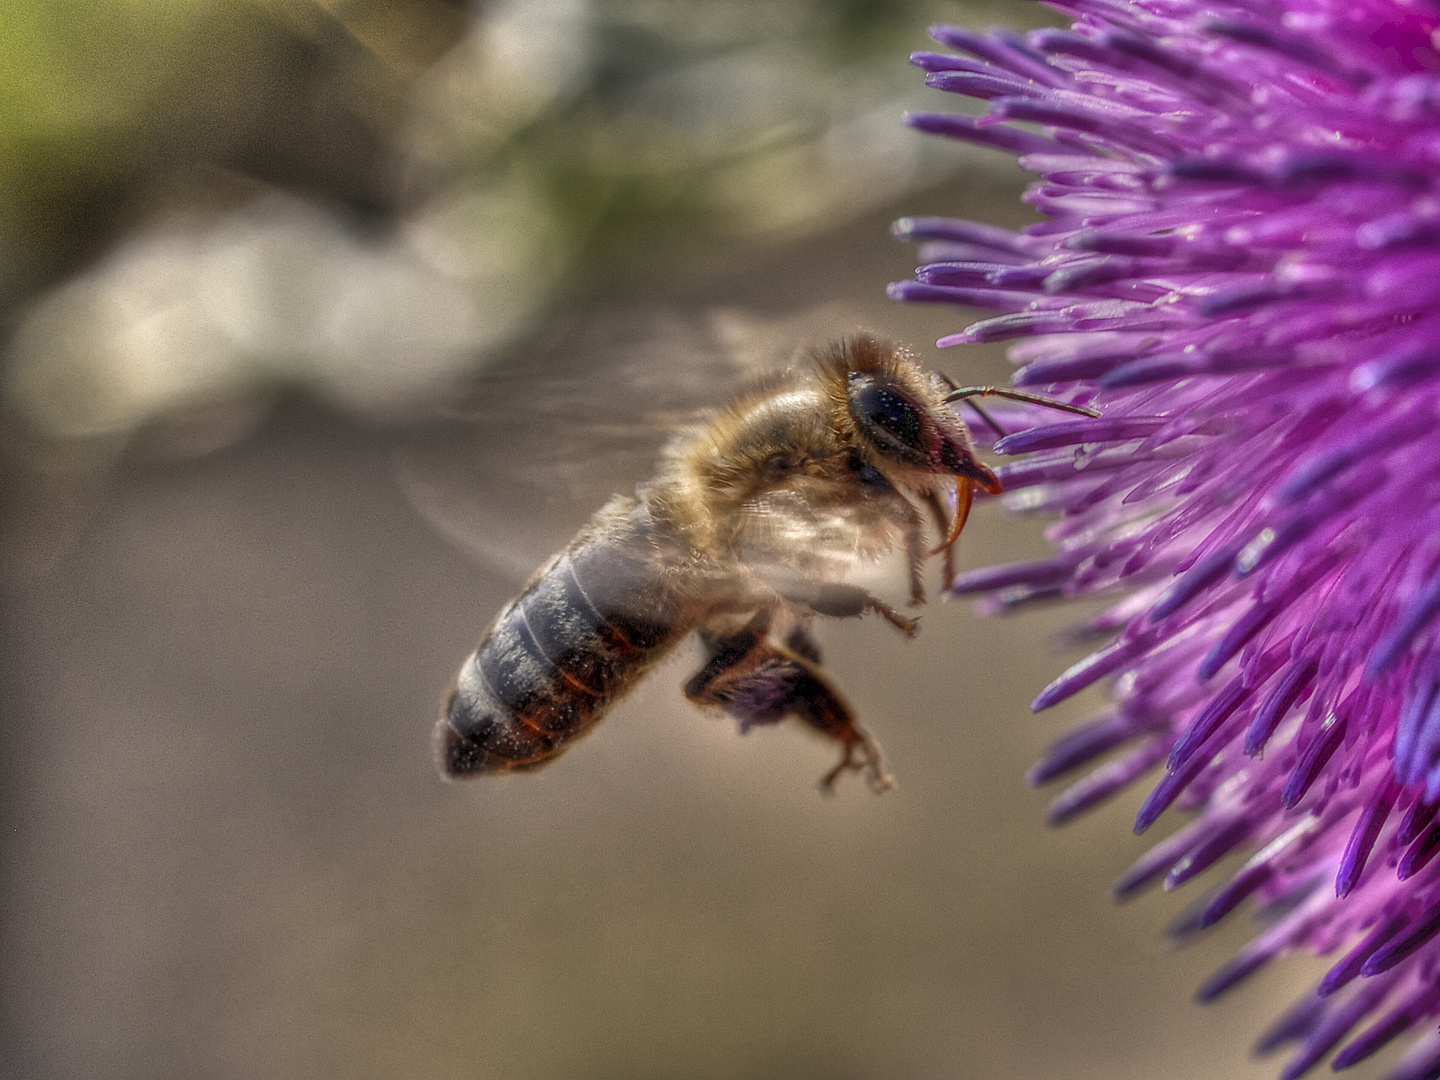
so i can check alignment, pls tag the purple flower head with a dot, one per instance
(1240, 267)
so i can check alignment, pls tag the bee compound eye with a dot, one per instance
(868, 475)
(890, 417)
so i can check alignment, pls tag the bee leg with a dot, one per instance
(837, 600)
(947, 551)
(862, 754)
(799, 641)
(906, 625)
(915, 554)
(732, 657)
(759, 682)
(717, 637)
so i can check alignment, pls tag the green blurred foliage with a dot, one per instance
(204, 201)
(652, 124)
(111, 112)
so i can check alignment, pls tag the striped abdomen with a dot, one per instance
(583, 631)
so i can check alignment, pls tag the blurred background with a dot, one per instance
(279, 280)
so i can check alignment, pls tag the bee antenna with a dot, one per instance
(983, 415)
(965, 393)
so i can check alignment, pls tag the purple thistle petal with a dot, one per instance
(1203, 856)
(1112, 658)
(1345, 971)
(1279, 702)
(1153, 865)
(1258, 871)
(1419, 611)
(1417, 740)
(1397, 1022)
(975, 84)
(1239, 266)
(997, 136)
(977, 274)
(1220, 709)
(1416, 820)
(960, 232)
(1279, 938)
(1363, 449)
(1312, 759)
(1065, 369)
(1167, 791)
(1084, 744)
(1197, 579)
(1405, 944)
(1333, 1027)
(1301, 1019)
(1078, 432)
(1105, 782)
(1004, 52)
(1224, 704)
(1286, 44)
(1241, 631)
(1419, 854)
(1403, 364)
(1232, 974)
(1362, 838)
(1043, 572)
(924, 293)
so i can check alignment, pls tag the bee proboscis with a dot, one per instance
(744, 536)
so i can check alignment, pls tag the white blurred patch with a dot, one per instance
(192, 314)
(736, 124)
(521, 56)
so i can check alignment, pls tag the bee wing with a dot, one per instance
(791, 537)
(511, 472)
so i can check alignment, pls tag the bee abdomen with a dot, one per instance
(560, 654)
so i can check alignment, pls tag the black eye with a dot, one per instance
(890, 418)
(868, 475)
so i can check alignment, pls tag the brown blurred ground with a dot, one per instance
(228, 853)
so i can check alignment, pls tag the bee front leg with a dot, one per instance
(915, 553)
(759, 682)
(946, 551)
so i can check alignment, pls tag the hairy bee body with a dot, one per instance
(745, 534)
(588, 625)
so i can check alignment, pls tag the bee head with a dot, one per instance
(899, 411)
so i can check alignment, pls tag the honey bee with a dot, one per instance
(744, 535)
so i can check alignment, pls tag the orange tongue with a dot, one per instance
(964, 496)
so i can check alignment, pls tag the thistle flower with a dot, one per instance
(1240, 267)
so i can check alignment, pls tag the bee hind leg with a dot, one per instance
(801, 643)
(759, 682)
(862, 754)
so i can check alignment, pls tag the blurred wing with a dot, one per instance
(541, 442)
(826, 542)
(792, 539)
